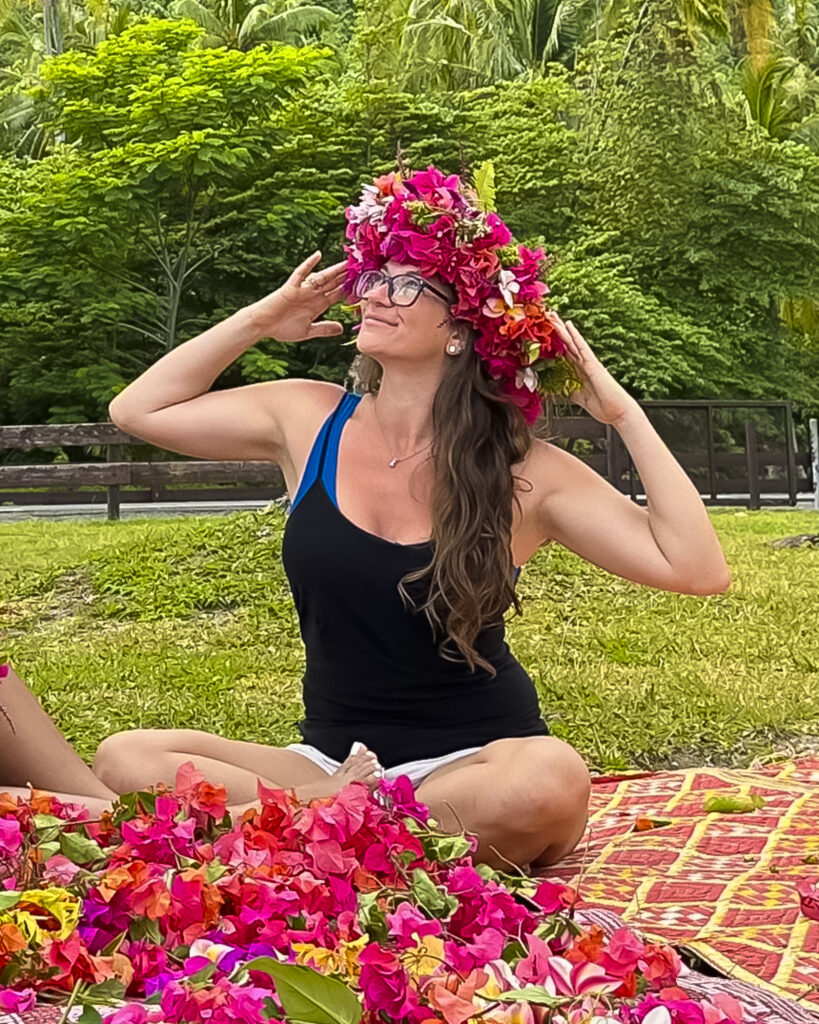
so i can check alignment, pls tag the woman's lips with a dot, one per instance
(377, 320)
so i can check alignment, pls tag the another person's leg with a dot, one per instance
(525, 796)
(34, 752)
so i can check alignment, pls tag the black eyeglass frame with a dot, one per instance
(392, 278)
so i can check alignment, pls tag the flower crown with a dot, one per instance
(448, 228)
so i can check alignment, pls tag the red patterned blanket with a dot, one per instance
(723, 885)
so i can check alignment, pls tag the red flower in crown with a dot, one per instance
(441, 225)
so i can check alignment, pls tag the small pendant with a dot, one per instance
(393, 463)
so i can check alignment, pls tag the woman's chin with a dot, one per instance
(371, 344)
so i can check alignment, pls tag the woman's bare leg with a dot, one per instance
(34, 752)
(140, 758)
(526, 798)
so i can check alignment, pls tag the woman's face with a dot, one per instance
(417, 332)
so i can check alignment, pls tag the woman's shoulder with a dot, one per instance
(297, 401)
(547, 471)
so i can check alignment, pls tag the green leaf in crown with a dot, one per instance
(485, 186)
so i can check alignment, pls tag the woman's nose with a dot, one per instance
(381, 290)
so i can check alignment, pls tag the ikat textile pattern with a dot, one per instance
(722, 885)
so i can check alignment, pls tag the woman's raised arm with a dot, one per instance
(170, 404)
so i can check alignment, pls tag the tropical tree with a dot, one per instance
(111, 229)
(31, 32)
(243, 24)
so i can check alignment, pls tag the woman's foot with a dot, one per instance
(361, 766)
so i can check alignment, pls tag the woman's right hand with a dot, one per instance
(288, 313)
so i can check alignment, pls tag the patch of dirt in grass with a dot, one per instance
(761, 748)
(70, 597)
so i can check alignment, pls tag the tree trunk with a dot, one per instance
(759, 20)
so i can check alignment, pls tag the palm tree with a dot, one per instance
(30, 32)
(243, 24)
(455, 44)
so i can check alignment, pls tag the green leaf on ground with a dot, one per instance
(716, 802)
(307, 996)
(533, 994)
(80, 849)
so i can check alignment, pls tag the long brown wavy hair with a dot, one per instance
(477, 438)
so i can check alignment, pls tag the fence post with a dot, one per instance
(790, 452)
(113, 453)
(752, 463)
(709, 431)
(814, 451)
(611, 457)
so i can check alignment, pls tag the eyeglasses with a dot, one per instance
(403, 289)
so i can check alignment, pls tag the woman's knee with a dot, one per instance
(128, 760)
(562, 789)
(561, 802)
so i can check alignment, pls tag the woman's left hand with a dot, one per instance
(601, 396)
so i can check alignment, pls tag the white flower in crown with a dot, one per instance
(494, 307)
(509, 286)
(526, 378)
(372, 207)
(499, 307)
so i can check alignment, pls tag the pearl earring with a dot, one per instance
(453, 349)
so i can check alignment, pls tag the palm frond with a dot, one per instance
(199, 13)
(287, 25)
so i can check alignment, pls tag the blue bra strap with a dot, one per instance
(328, 469)
(311, 470)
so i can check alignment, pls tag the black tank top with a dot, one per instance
(373, 672)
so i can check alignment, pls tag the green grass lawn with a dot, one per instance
(190, 622)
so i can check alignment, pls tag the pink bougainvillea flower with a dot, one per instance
(402, 798)
(60, 870)
(622, 953)
(721, 1008)
(384, 980)
(535, 965)
(224, 1002)
(132, 1013)
(11, 837)
(454, 997)
(809, 898)
(683, 1011)
(408, 924)
(661, 965)
(17, 1001)
(554, 897)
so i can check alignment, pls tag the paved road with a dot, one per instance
(131, 510)
(165, 509)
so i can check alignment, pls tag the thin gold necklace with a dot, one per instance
(395, 460)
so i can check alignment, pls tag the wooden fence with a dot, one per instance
(718, 475)
(715, 473)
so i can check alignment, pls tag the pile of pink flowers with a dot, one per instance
(351, 908)
(444, 227)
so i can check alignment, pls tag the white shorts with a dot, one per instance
(416, 770)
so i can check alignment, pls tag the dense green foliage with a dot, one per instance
(190, 623)
(161, 173)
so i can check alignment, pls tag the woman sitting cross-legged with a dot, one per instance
(408, 525)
